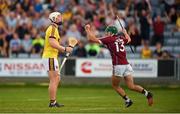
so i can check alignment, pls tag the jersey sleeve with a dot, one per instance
(106, 40)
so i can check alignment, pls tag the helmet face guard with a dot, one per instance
(111, 29)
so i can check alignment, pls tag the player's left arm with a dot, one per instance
(126, 35)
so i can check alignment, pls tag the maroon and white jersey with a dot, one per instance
(116, 46)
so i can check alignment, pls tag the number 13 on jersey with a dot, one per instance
(119, 45)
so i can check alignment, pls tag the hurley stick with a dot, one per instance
(124, 28)
(72, 42)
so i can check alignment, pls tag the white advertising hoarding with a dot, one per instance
(93, 68)
(22, 68)
(103, 68)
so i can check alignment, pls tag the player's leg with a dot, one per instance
(130, 83)
(115, 84)
(54, 79)
(53, 86)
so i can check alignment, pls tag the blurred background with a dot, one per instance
(154, 27)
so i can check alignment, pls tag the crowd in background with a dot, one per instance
(23, 24)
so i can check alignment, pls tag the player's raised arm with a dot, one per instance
(90, 35)
(126, 35)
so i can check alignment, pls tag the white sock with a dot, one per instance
(54, 102)
(126, 98)
(145, 92)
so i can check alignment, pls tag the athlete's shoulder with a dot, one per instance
(51, 27)
(106, 39)
(51, 30)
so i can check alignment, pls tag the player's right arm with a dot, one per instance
(91, 36)
(56, 45)
(53, 42)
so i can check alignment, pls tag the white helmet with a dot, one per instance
(53, 16)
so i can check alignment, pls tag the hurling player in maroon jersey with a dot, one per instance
(116, 42)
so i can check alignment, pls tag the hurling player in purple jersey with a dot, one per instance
(116, 42)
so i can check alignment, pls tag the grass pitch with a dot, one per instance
(78, 99)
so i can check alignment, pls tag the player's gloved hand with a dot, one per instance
(68, 49)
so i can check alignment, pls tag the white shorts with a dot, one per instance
(122, 70)
(51, 64)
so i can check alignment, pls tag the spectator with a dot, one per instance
(92, 49)
(156, 8)
(25, 5)
(8, 38)
(146, 52)
(67, 14)
(158, 51)
(80, 51)
(3, 45)
(166, 55)
(3, 28)
(26, 44)
(172, 15)
(178, 22)
(15, 45)
(31, 11)
(134, 34)
(168, 5)
(140, 6)
(145, 22)
(37, 45)
(21, 30)
(73, 32)
(11, 20)
(44, 21)
(33, 33)
(109, 19)
(23, 19)
(38, 6)
(79, 23)
(36, 21)
(158, 27)
(96, 21)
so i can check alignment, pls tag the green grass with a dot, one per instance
(88, 99)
